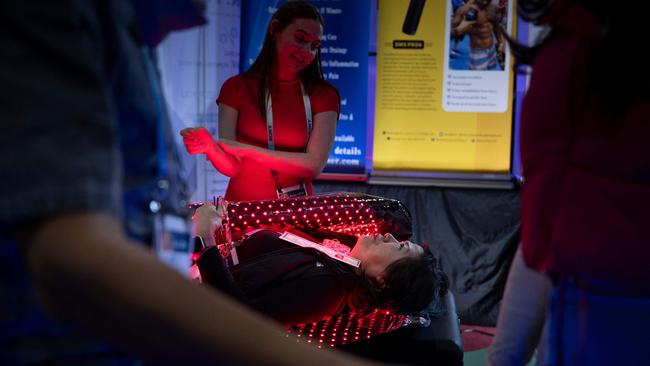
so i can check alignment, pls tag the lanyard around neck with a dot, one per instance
(269, 117)
(300, 241)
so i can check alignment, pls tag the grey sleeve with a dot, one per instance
(58, 141)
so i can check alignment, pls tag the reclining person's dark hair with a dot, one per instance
(410, 285)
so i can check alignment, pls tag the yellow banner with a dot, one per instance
(444, 87)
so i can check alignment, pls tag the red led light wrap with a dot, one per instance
(333, 215)
(342, 216)
(346, 328)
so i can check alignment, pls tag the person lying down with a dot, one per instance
(293, 282)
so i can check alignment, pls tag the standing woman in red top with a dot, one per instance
(277, 120)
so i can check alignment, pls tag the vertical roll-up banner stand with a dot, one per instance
(344, 49)
(193, 64)
(444, 105)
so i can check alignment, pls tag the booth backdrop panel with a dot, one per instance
(344, 51)
(474, 233)
(433, 113)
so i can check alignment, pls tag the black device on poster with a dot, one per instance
(413, 15)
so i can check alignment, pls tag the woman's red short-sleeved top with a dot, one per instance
(255, 181)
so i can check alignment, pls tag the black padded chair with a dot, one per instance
(439, 343)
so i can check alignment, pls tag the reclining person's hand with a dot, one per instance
(207, 219)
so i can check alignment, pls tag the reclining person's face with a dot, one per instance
(378, 252)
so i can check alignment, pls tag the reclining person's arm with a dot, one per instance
(87, 272)
(214, 271)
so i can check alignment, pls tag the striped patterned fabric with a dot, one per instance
(485, 59)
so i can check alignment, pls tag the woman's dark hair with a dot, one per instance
(264, 64)
(620, 31)
(411, 284)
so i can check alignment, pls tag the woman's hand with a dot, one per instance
(198, 140)
(306, 165)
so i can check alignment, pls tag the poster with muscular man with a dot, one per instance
(444, 96)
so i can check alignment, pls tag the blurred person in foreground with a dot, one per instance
(586, 163)
(74, 287)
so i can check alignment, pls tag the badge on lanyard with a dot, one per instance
(334, 254)
(299, 190)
